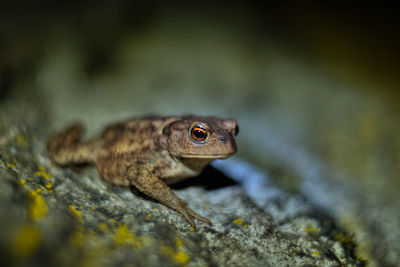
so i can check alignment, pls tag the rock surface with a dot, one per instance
(54, 216)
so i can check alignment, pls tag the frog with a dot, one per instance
(150, 153)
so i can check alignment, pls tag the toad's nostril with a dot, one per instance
(223, 139)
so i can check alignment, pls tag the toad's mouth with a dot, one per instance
(209, 156)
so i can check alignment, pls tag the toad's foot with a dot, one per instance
(189, 214)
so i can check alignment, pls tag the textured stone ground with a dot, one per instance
(315, 181)
(54, 216)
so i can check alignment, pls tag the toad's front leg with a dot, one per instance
(152, 186)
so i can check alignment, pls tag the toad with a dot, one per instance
(149, 153)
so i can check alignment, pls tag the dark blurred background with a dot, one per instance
(317, 82)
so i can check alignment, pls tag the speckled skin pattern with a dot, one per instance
(150, 153)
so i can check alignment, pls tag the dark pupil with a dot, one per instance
(199, 134)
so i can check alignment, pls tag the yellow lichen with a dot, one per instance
(123, 236)
(38, 207)
(167, 251)
(46, 175)
(39, 190)
(238, 221)
(26, 241)
(113, 221)
(76, 213)
(22, 182)
(223, 237)
(339, 236)
(180, 257)
(49, 185)
(102, 227)
(315, 253)
(311, 229)
(178, 242)
(42, 173)
(77, 238)
(360, 252)
(363, 249)
(12, 160)
(21, 141)
(11, 166)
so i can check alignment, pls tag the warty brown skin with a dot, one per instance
(150, 153)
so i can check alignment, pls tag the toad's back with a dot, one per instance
(130, 136)
(122, 144)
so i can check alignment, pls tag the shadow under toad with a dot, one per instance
(209, 179)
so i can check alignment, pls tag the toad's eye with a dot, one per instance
(198, 133)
